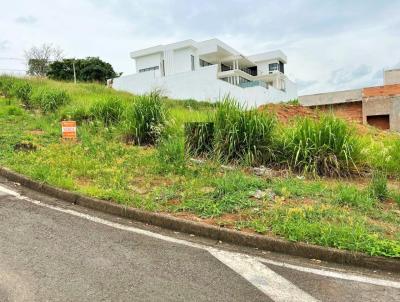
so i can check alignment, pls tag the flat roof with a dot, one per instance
(267, 56)
(210, 46)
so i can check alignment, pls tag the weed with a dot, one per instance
(22, 90)
(350, 196)
(145, 119)
(231, 193)
(293, 102)
(77, 113)
(321, 147)
(378, 186)
(328, 227)
(171, 155)
(108, 110)
(49, 99)
(14, 110)
(199, 138)
(6, 85)
(243, 136)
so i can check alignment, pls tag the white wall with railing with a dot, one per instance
(202, 84)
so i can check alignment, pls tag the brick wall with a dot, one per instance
(351, 111)
(387, 90)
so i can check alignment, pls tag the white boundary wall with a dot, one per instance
(201, 85)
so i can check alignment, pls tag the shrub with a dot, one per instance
(383, 154)
(6, 85)
(171, 154)
(199, 138)
(14, 110)
(145, 119)
(378, 186)
(243, 135)
(22, 90)
(109, 110)
(322, 147)
(49, 99)
(78, 114)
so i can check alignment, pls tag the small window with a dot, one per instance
(162, 67)
(281, 67)
(149, 69)
(203, 63)
(192, 61)
(273, 67)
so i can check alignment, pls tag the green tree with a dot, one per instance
(90, 69)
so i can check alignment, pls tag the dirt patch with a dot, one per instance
(83, 182)
(286, 113)
(226, 220)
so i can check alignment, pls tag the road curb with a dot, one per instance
(209, 231)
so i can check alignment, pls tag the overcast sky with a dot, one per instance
(331, 45)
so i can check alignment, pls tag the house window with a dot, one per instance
(225, 67)
(162, 67)
(281, 67)
(192, 61)
(149, 69)
(273, 67)
(203, 63)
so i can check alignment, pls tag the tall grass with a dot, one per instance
(382, 152)
(49, 99)
(199, 138)
(23, 90)
(108, 110)
(378, 186)
(241, 135)
(321, 147)
(6, 85)
(145, 119)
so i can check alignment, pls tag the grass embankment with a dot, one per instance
(358, 214)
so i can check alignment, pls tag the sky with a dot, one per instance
(330, 44)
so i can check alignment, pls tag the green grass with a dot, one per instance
(326, 146)
(243, 136)
(343, 213)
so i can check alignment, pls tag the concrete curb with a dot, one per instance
(209, 231)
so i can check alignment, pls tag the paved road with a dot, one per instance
(54, 251)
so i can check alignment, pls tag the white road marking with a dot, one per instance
(321, 272)
(262, 277)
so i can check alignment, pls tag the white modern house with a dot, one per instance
(209, 70)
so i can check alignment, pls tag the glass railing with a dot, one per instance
(253, 84)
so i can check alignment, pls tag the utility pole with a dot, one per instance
(73, 66)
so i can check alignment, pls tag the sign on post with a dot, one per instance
(68, 130)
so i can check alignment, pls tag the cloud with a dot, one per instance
(302, 84)
(26, 20)
(4, 44)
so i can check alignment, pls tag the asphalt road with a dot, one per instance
(54, 251)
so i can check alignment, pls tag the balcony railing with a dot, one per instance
(253, 84)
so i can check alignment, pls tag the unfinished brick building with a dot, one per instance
(377, 106)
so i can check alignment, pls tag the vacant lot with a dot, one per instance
(337, 196)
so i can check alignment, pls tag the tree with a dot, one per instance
(40, 57)
(90, 69)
